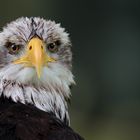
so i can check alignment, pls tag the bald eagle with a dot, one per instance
(35, 80)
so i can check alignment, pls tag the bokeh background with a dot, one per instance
(106, 45)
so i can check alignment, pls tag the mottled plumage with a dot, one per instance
(21, 86)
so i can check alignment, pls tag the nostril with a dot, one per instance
(30, 47)
(41, 47)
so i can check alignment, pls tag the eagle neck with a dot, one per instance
(48, 100)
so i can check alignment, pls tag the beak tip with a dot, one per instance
(38, 75)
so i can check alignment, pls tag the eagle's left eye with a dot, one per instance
(13, 48)
(53, 47)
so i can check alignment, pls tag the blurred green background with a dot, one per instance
(106, 45)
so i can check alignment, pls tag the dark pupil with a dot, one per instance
(51, 46)
(14, 47)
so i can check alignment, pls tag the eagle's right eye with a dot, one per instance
(13, 48)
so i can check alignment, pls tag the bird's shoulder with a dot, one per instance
(26, 122)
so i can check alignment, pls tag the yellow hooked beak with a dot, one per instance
(35, 56)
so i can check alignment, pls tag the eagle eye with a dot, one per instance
(53, 47)
(13, 48)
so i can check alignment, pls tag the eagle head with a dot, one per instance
(35, 64)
